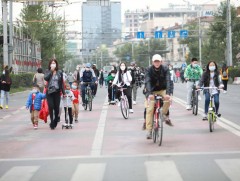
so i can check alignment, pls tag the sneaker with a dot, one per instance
(134, 102)
(1, 107)
(131, 110)
(188, 107)
(199, 98)
(218, 114)
(144, 126)
(83, 104)
(76, 121)
(149, 135)
(71, 125)
(35, 126)
(167, 120)
(224, 91)
(204, 117)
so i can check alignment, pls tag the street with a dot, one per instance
(103, 146)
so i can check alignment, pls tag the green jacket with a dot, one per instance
(110, 78)
(193, 73)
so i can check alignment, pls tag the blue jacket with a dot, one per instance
(37, 101)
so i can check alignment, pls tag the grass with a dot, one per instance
(18, 89)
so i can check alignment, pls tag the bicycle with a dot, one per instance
(88, 96)
(124, 103)
(211, 116)
(158, 120)
(194, 98)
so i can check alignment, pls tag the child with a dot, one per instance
(110, 79)
(67, 104)
(76, 99)
(34, 102)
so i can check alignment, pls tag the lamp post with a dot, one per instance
(229, 35)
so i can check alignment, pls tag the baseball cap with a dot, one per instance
(88, 65)
(156, 57)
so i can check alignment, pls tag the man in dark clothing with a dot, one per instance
(96, 71)
(157, 82)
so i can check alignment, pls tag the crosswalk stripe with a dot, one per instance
(230, 167)
(19, 173)
(89, 172)
(162, 170)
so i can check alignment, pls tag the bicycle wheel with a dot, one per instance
(211, 121)
(124, 107)
(90, 101)
(195, 104)
(155, 130)
(160, 127)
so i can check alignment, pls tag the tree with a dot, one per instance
(39, 24)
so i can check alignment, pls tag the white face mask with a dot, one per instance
(113, 75)
(212, 68)
(195, 65)
(122, 67)
(74, 87)
(77, 68)
(3, 72)
(34, 91)
(53, 65)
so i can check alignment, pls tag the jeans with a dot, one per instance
(6, 94)
(207, 101)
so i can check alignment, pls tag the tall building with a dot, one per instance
(101, 24)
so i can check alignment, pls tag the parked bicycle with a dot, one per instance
(88, 96)
(158, 120)
(211, 116)
(124, 105)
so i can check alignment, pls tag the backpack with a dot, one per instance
(224, 74)
(87, 76)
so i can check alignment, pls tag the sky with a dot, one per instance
(73, 10)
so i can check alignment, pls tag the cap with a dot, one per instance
(156, 57)
(88, 65)
(133, 63)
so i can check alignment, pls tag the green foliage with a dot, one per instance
(234, 72)
(41, 25)
(22, 80)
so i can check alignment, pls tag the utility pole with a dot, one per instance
(5, 34)
(10, 50)
(200, 37)
(229, 34)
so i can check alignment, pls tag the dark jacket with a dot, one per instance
(48, 76)
(5, 86)
(157, 80)
(205, 80)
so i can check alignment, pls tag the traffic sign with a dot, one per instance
(183, 33)
(158, 34)
(140, 34)
(171, 34)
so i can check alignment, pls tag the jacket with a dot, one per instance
(127, 78)
(221, 72)
(194, 73)
(37, 101)
(5, 86)
(157, 80)
(48, 76)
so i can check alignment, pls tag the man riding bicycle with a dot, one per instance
(192, 74)
(157, 82)
(87, 75)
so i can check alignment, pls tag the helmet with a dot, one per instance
(156, 57)
(88, 65)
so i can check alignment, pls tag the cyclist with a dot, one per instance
(124, 78)
(192, 73)
(211, 78)
(87, 75)
(157, 82)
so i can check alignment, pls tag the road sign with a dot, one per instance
(183, 33)
(140, 34)
(171, 34)
(158, 34)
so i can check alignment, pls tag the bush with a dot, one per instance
(234, 72)
(22, 80)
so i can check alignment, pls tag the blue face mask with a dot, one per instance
(74, 87)
(67, 91)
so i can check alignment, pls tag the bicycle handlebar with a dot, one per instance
(205, 88)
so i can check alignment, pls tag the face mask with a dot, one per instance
(122, 67)
(74, 87)
(53, 65)
(34, 91)
(170, 68)
(67, 91)
(87, 69)
(3, 72)
(195, 65)
(212, 68)
(113, 75)
(77, 68)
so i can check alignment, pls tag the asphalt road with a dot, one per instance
(104, 146)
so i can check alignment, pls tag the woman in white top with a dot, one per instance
(124, 78)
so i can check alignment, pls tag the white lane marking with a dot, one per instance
(228, 125)
(230, 167)
(98, 139)
(162, 170)
(90, 172)
(19, 173)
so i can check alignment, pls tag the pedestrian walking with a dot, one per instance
(55, 86)
(38, 79)
(5, 86)
(76, 101)
(224, 76)
(101, 79)
(34, 104)
(70, 78)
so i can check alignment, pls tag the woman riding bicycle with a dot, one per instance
(211, 78)
(123, 78)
